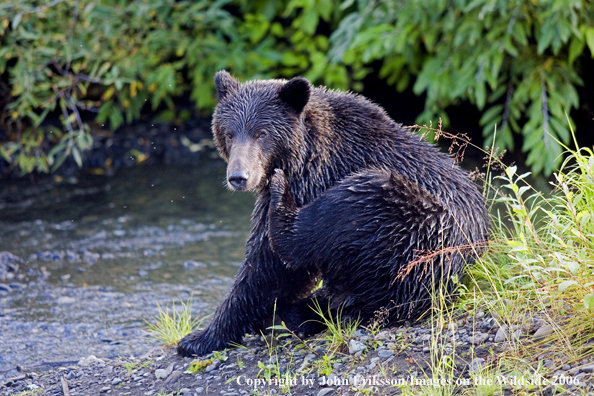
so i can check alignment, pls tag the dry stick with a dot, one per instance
(65, 389)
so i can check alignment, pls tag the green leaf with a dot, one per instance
(576, 47)
(16, 20)
(566, 284)
(590, 39)
(77, 156)
(589, 301)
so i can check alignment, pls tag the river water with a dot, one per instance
(95, 257)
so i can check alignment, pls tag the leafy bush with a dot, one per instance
(515, 60)
(114, 56)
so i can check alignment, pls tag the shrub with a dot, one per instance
(516, 61)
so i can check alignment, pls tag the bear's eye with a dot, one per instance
(229, 136)
(262, 135)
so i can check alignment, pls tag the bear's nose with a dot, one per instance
(238, 179)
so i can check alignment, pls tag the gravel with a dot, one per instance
(393, 354)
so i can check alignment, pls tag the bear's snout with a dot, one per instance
(238, 179)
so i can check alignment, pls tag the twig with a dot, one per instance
(65, 389)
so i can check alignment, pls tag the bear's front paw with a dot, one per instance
(196, 344)
(278, 188)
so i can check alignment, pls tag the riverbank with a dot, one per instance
(464, 357)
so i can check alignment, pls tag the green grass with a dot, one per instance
(339, 332)
(539, 268)
(172, 324)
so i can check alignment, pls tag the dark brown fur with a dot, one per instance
(343, 194)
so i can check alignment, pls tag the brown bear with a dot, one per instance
(345, 195)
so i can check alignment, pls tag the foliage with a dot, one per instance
(75, 60)
(516, 61)
(113, 57)
(540, 264)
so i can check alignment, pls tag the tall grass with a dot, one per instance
(539, 268)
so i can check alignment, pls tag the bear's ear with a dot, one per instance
(295, 93)
(225, 84)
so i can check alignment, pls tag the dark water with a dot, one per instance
(97, 256)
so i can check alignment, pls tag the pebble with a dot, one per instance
(478, 338)
(199, 389)
(385, 353)
(213, 366)
(542, 332)
(422, 339)
(588, 369)
(325, 391)
(164, 373)
(356, 346)
(476, 364)
(191, 264)
(574, 371)
(501, 335)
(89, 360)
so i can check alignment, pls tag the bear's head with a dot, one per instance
(258, 126)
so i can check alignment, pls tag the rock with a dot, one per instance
(566, 367)
(89, 360)
(516, 335)
(199, 389)
(325, 391)
(164, 373)
(308, 358)
(478, 338)
(385, 353)
(422, 339)
(588, 369)
(213, 366)
(105, 389)
(548, 363)
(116, 381)
(476, 365)
(191, 264)
(574, 371)
(502, 334)
(332, 379)
(452, 326)
(542, 332)
(173, 377)
(185, 391)
(356, 346)
(90, 258)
